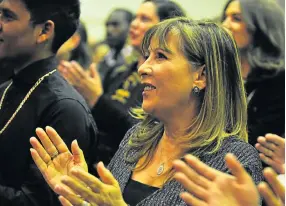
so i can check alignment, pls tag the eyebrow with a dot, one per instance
(233, 13)
(236, 14)
(161, 49)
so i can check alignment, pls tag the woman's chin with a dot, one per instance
(147, 109)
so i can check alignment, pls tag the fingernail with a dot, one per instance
(58, 187)
(76, 142)
(64, 63)
(74, 170)
(232, 155)
(188, 156)
(101, 163)
(64, 179)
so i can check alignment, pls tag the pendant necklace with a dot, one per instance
(161, 167)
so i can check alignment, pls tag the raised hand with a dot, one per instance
(273, 191)
(87, 83)
(53, 157)
(272, 148)
(209, 187)
(89, 190)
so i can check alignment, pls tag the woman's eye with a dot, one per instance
(145, 19)
(161, 55)
(237, 18)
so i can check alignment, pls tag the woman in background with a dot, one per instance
(258, 27)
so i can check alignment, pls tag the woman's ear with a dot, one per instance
(200, 77)
(46, 32)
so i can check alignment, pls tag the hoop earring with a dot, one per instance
(196, 91)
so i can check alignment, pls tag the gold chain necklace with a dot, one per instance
(23, 101)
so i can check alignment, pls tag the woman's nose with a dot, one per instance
(144, 70)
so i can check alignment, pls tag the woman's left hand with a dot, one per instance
(90, 190)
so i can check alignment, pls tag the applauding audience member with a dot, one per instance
(258, 27)
(272, 148)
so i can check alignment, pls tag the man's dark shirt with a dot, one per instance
(53, 103)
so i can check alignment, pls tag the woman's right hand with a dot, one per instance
(53, 157)
(206, 186)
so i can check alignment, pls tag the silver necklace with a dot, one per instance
(23, 101)
(161, 167)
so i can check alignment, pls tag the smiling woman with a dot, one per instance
(192, 77)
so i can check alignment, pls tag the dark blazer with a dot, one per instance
(122, 90)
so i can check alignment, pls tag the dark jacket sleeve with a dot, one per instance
(72, 121)
(112, 116)
(33, 192)
(122, 146)
(266, 111)
(270, 120)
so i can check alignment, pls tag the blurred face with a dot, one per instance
(117, 28)
(168, 79)
(146, 17)
(234, 22)
(17, 35)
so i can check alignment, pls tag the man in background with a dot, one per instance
(117, 29)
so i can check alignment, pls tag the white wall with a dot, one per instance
(94, 12)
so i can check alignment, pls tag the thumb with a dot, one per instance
(77, 153)
(93, 70)
(237, 169)
(105, 175)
